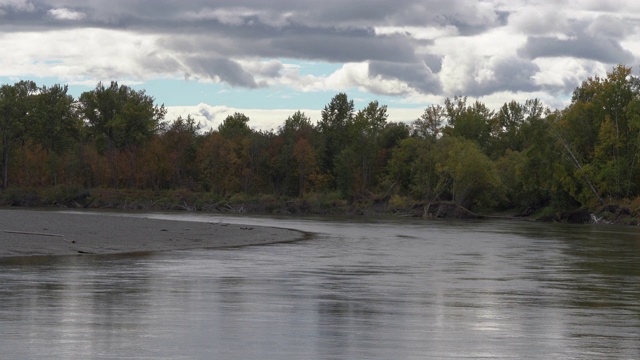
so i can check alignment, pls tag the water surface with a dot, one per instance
(377, 289)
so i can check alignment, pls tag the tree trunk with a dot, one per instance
(5, 167)
(577, 164)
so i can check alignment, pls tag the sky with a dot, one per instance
(268, 59)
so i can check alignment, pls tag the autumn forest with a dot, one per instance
(521, 156)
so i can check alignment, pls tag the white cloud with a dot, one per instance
(467, 61)
(566, 72)
(539, 20)
(610, 26)
(419, 33)
(91, 54)
(357, 75)
(238, 16)
(349, 76)
(210, 116)
(420, 51)
(496, 100)
(66, 14)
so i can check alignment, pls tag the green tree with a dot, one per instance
(399, 167)
(259, 158)
(347, 170)
(306, 164)
(506, 129)
(467, 173)
(471, 122)
(120, 118)
(389, 139)
(598, 139)
(536, 172)
(56, 126)
(235, 126)
(221, 169)
(16, 109)
(509, 168)
(431, 122)
(242, 145)
(333, 125)
(299, 147)
(179, 143)
(392, 134)
(411, 170)
(364, 134)
(356, 167)
(297, 123)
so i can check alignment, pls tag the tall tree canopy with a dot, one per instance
(335, 118)
(517, 155)
(118, 116)
(16, 109)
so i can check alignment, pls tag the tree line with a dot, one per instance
(521, 155)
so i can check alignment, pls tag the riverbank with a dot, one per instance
(331, 204)
(49, 233)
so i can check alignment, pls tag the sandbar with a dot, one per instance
(53, 233)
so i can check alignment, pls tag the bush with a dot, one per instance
(20, 197)
(398, 203)
(67, 196)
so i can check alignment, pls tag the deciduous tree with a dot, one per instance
(120, 118)
(16, 109)
(55, 126)
(335, 118)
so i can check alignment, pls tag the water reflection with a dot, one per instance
(402, 289)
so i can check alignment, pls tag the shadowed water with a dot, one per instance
(391, 289)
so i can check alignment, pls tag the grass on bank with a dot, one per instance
(625, 211)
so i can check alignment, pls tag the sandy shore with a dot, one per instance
(30, 232)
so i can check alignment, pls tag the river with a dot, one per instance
(357, 289)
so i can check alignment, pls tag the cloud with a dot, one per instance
(221, 69)
(539, 21)
(349, 76)
(66, 14)
(498, 74)
(561, 75)
(96, 54)
(583, 46)
(408, 49)
(343, 46)
(417, 75)
(607, 26)
(210, 117)
(269, 69)
(594, 36)
(16, 5)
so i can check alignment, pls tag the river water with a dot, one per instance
(358, 289)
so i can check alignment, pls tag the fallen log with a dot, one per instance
(32, 233)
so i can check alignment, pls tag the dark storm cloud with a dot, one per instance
(294, 41)
(509, 74)
(308, 31)
(343, 48)
(217, 39)
(417, 75)
(603, 49)
(596, 39)
(434, 62)
(226, 70)
(354, 13)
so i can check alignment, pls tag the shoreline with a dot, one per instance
(25, 233)
(324, 204)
